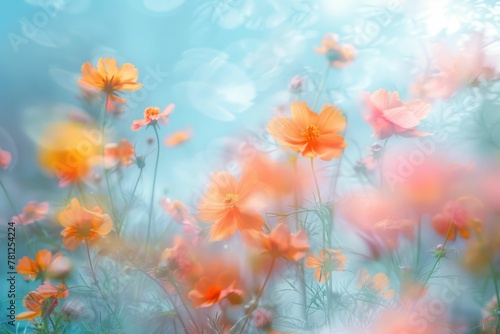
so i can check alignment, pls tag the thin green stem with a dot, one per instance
(96, 282)
(127, 207)
(381, 163)
(172, 281)
(419, 241)
(316, 181)
(110, 194)
(11, 203)
(254, 305)
(154, 185)
(494, 277)
(444, 250)
(82, 194)
(52, 323)
(321, 86)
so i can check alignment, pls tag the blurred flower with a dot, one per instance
(180, 213)
(33, 269)
(114, 108)
(376, 150)
(42, 301)
(229, 205)
(379, 218)
(211, 290)
(454, 69)
(5, 159)
(178, 137)
(424, 187)
(390, 229)
(479, 254)
(32, 212)
(296, 85)
(121, 153)
(109, 79)
(181, 260)
(152, 116)
(279, 243)
(82, 224)
(68, 149)
(399, 321)
(328, 260)
(337, 56)
(490, 314)
(377, 285)
(411, 288)
(366, 164)
(276, 178)
(60, 268)
(73, 309)
(262, 319)
(458, 216)
(311, 134)
(389, 116)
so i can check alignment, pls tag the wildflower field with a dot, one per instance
(248, 166)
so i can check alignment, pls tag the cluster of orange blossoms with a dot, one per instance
(232, 205)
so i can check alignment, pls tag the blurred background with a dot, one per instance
(226, 65)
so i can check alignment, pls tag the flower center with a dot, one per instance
(310, 132)
(151, 113)
(231, 200)
(108, 87)
(84, 228)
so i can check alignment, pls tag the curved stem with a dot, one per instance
(494, 277)
(190, 315)
(316, 181)
(320, 89)
(127, 207)
(154, 185)
(444, 249)
(11, 203)
(254, 306)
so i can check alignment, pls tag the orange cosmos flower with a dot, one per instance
(208, 291)
(109, 79)
(178, 137)
(41, 303)
(32, 212)
(280, 242)
(377, 285)
(338, 56)
(152, 116)
(5, 159)
(229, 205)
(460, 216)
(82, 224)
(67, 150)
(122, 153)
(311, 134)
(40, 266)
(328, 260)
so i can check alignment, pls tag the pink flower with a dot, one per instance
(32, 212)
(262, 319)
(5, 159)
(152, 116)
(181, 214)
(455, 69)
(389, 116)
